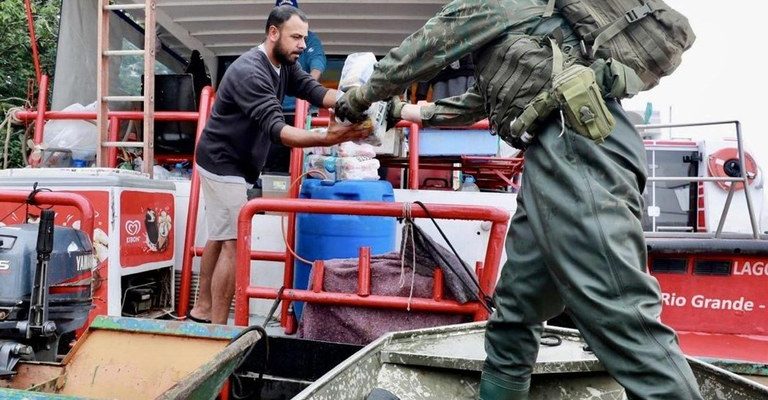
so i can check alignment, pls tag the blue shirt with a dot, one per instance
(313, 57)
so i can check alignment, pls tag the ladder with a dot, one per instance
(102, 85)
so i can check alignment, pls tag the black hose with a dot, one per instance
(485, 299)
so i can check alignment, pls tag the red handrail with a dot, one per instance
(204, 111)
(190, 116)
(487, 275)
(56, 199)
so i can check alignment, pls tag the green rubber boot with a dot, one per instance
(494, 388)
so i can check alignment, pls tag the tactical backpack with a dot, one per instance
(646, 35)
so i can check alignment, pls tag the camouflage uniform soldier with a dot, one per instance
(576, 238)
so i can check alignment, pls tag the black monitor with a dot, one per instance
(175, 92)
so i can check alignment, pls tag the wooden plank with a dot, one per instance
(102, 84)
(150, 41)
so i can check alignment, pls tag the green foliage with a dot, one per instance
(16, 66)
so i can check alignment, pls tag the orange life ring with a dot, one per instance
(724, 163)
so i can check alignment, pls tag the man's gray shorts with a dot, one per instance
(223, 201)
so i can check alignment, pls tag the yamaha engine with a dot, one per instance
(45, 289)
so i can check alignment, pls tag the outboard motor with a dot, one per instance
(45, 292)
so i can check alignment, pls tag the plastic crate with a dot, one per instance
(455, 142)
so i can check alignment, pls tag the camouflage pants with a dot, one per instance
(576, 240)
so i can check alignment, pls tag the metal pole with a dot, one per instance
(726, 207)
(33, 40)
(653, 188)
(42, 103)
(742, 161)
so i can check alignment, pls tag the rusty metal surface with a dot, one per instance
(739, 367)
(165, 327)
(128, 358)
(37, 376)
(444, 363)
(131, 365)
(206, 381)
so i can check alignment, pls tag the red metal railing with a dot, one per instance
(295, 168)
(115, 117)
(487, 271)
(56, 199)
(190, 251)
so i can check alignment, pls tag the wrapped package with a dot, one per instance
(342, 168)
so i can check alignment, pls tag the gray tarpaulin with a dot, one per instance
(363, 325)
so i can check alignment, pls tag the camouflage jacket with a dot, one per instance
(487, 29)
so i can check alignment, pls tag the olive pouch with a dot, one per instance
(579, 96)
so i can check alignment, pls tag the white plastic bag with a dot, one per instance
(357, 69)
(342, 168)
(79, 136)
(352, 149)
(357, 168)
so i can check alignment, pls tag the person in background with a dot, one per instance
(246, 117)
(312, 61)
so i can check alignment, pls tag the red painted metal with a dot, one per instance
(354, 300)
(33, 40)
(190, 116)
(438, 288)
(413, 157)
(318, 275)
(255, 255)
(736, 303)
(481, 313)
(42, 103)
(295, 167)
(243, 292)
(725, 347)
(364, 272)
(56, 199)
(114, 132)
(206, 102)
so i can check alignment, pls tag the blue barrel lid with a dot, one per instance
(347, 190)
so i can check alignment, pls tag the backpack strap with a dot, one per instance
(608, 32)
(557, 58)
(549, 9)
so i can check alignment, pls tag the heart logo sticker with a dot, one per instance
(132, 227)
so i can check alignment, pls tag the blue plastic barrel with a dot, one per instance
(327, 236)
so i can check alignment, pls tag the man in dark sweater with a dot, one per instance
(246, 119)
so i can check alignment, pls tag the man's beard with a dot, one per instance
(283, 56)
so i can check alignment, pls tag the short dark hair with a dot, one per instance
(280, 14)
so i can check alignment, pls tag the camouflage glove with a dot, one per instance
(394, 114)
(352, 106)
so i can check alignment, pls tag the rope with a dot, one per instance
(408, 233)
(12, 115)
(282, 217)
(10, 119)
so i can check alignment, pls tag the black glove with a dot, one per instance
(352, 106)
(394, 112)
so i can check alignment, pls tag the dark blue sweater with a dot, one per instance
(247, 114)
